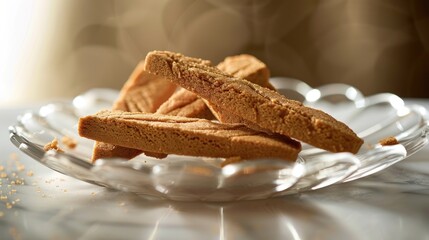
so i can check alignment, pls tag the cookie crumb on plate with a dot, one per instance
(388, 141)
(69, 142)
(53, 145)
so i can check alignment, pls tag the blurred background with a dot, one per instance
(58, 49)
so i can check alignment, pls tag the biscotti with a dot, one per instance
(185, 136)
(188, 104)
(143, 92)
(247, 67)
(185, 104)
(261, 106)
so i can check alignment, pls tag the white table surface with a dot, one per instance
(392, 204)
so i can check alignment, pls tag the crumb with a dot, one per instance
(388, 141)
(53, 146)
(230, 161)
(1, 167)
(19, 182)
(13, 156)
(30, 173)
(69, 142)
(3, 175)
(1, 214)
(20, 167)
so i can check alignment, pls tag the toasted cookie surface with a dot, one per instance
(261, 106)
(188, 104)
(247, 67)
(185, 136)
(185, 104)
(143, 92)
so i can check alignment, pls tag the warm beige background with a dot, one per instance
(53, 49)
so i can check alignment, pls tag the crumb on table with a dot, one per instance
(53, 145)
(388, 141)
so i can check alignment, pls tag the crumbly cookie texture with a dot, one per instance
(143, 92)
(247, 67)
(388, 141)
(185, 136)
(261, 106)
(185, 104)
(53, 145)
(188, 104)
(107, 150)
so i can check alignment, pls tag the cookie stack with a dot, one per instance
(174, 104)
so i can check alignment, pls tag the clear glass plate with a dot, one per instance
(204, 179)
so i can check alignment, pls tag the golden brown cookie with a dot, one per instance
(188, 104)
(247, 67)
(143, 92)
(185, 136)
(261, 106)
(185, 104)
